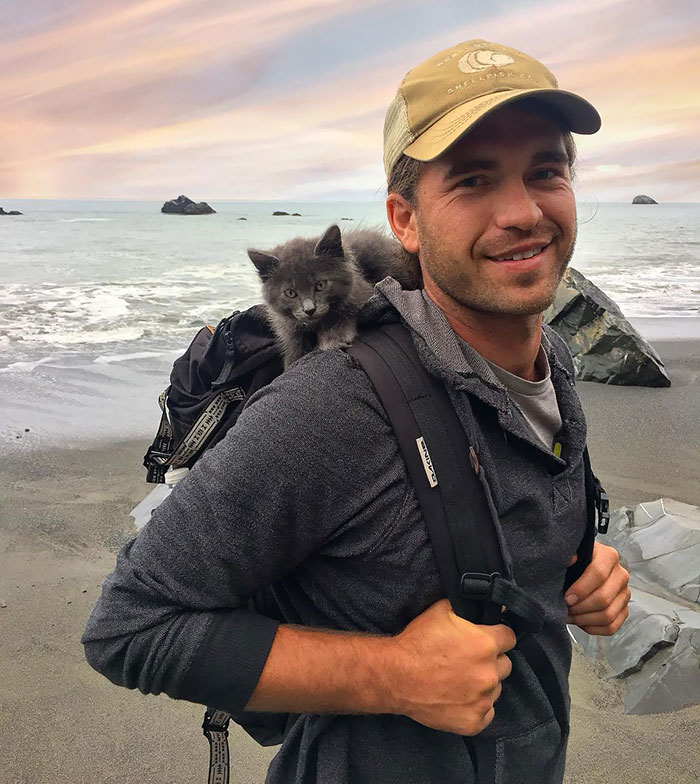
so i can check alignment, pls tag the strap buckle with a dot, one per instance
(478, 585)
(602, 503)
(215, 721)
(601, 500)
(155, 456)
(518, 610)
(156, 463)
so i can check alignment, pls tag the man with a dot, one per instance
(308, 495)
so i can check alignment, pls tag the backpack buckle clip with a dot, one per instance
(215, 721)
(602, 503)
(478, 585)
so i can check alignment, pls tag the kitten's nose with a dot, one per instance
(309, 307)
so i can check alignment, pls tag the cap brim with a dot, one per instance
(581, 116)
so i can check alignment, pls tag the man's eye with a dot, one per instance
(553, 172)
(469, 182)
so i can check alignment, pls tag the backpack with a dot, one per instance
(209, 386)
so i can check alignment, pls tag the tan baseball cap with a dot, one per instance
(443, 97)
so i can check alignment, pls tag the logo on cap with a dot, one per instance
(482, 58)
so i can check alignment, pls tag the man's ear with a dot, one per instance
(266, 263)
(402, 219)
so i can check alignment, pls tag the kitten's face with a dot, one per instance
(306, 289)
(304, 280)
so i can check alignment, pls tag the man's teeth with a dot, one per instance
(519, 256)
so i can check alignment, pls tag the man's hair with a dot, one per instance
(404, 176)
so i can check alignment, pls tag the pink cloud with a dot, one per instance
(134, 95)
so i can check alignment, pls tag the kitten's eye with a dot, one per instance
(321, 284)
(291, 293)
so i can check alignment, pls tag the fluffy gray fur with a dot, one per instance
(313, 288)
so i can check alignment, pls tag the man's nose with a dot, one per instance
(517, 208)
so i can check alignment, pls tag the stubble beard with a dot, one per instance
(460, 284)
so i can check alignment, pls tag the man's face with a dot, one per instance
(503, 190)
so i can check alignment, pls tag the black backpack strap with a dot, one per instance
(435, 448)
(161, 455)
(161, 450)
(445, 470)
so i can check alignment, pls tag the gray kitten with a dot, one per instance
(313, 288)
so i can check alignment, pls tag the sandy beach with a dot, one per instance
(64, 514)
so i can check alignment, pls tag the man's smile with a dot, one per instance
(522, 259)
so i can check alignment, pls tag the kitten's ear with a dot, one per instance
(330, 244)
(265, 262)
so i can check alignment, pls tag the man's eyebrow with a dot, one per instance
(549, 156)
(487, 164)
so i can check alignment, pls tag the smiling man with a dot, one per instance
(308, 498)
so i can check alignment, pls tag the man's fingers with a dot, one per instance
(609, 629)
(504, 666)
(605, 559)
(503, 636)
(605, 615)
(605, 595)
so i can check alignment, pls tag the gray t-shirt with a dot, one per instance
(535, 399)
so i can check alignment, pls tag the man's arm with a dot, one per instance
(294, 471)
(441, 671)
(173, 615)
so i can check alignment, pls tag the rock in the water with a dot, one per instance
(184, 206)
(11, 212)
(288, 214)
(657, 649)
(279, 212)
(242, 219)
(641, 199)
(604, 345)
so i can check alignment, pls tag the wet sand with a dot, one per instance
(64, 514)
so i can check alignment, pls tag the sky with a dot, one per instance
(285, 99)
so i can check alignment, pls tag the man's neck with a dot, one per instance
(511, 342)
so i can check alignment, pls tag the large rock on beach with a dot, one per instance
(604, 345)
(642, 199)
(656, 651)
(184, 206)
(660, 540)
(11, 212)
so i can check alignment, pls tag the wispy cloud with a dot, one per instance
(286, 98)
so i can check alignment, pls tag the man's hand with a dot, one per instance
(598, 599)
(448, 671)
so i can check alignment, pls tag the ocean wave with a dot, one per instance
(85, 220)
(25, 367)
(92, 337)
(112, 358)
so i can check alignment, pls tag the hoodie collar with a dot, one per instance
(438, 345)
(462, 367)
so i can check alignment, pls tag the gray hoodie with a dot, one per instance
(307, 498)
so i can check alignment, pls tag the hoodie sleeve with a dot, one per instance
(173, 617)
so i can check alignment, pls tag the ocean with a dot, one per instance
(98, 297)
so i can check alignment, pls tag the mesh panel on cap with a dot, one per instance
(397, 133)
